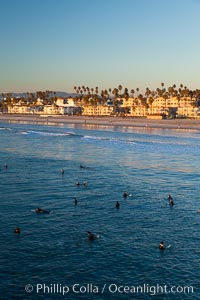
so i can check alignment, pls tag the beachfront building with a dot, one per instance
(51, 110)
(134, 107)
(59, 107)
(127, 102)
(164, 105)
(138, 111)
(67, 106)
(187, 107)
(37, 107)
(39, 102)
(19, 109)
(97, 110)
(21, 106)
(62, 107)
(157, 106)
(173, 106)
(65, 102)
(25, 109)
(187, 111)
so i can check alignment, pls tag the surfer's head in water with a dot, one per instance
(162, 246)
(117, 204)
(91, 236)
(170, 197)
(125, 194)
(17, 230)
(75, 201)
(40, 210)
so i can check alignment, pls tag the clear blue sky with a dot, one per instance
(59, 44)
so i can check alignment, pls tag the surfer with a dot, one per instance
(117, 204)
(62, 171)
(170, 197)
(91, 236)
(171, 201)
(125, 194)
(77, 183)
(75, 201)
(17, 230)
(161, 246)
(40, 210)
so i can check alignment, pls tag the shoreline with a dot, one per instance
(187, 124)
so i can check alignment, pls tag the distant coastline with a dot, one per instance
(187, 124)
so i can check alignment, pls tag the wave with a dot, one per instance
(5, 128)
(112, 140)
(139, 141)
(45, 133)
(23, 132)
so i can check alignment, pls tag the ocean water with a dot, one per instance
(52, 253)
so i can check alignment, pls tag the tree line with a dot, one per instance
(93, 96)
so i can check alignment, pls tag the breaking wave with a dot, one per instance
(45, 133)
(113, 140)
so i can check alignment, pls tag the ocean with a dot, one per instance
(52, 257)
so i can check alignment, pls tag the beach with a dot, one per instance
(189, 124)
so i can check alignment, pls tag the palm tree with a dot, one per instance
(137, 89)
(104, 96)
(153, 93)
(150, 102)
(132, 92)
(115, 92)
(180, 90)
(148, 92)
(126, 94)
(88, 90)
(120, 87)
(170, 91)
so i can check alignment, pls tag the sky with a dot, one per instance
(58, 44)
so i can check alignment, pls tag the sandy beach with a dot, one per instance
(189, 124)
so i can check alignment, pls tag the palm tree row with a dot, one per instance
(49, 97)
(119, 92)
(94, 96)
